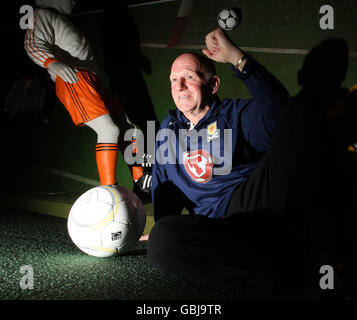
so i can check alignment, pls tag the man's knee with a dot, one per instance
(112, 131)
(163, 241)
(162, 234)
(107, 131)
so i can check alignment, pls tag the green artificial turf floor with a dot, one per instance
(62, 272)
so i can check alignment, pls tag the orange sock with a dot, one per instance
(137, 171)
(106, 156)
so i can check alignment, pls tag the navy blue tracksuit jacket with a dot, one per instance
(200, 168)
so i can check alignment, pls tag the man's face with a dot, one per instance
(189, 84)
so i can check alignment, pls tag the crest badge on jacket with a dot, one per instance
(198, 165)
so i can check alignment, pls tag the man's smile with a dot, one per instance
(184, 97)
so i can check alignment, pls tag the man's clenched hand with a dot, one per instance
(221, 49)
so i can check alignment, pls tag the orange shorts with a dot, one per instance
(86, 99)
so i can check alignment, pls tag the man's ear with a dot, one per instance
(215, 81)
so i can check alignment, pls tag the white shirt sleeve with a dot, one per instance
(55, 38)
(38, 40)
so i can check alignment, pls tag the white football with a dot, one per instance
(227, 19)
(106, 221)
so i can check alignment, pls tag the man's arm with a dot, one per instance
(270, 97)
(165, 195)
(166, 198)
(262, 85)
